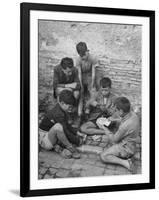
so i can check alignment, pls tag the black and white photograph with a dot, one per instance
(89, 89)
(89, 99)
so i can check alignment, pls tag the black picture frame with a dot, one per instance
(25, 9)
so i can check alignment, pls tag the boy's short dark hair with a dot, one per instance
(67, 97)
(81, 48)
(105, 82)
(122, 103)
(66, 62)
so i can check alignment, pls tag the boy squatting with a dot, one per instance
(118, 111)
(54, 126)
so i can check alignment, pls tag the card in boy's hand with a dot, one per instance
(103, 121)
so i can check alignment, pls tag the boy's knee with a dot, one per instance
(58, 127)
(76, 94)
(83, 128)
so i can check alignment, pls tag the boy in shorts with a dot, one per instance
(101, 104)
(54, 127)
(124, 140)
(86, 64)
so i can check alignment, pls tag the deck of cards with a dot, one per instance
(102, 122)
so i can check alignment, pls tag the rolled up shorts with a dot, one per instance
(124, 149)
(44, 140)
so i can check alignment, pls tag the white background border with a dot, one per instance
(89, 181)
(10, 70)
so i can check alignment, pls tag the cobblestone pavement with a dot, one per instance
(54, 165)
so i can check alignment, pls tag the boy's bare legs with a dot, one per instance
(110, 156)
(90, 128)
(76, 94)
(80, 106)
(56, 132)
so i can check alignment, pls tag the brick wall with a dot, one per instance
(125, 76)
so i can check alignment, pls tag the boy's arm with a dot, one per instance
(75, 84)
(69, 134)
(55, 79)
(115, 138)
(95, 63)
(56, 83)
(78, 67)
(112, 109)
(77, 80)
(93, 100)
(93, 75)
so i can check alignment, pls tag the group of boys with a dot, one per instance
(71, 85)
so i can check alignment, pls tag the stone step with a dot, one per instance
(90, 149)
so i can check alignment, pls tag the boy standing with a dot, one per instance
(54, 126)
(86, 65)
(101, 104)
(124, 140)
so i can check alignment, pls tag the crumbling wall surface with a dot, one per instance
(117, 46)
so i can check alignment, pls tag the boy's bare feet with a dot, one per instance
(132, 167)
(83, 137)
(75, 153)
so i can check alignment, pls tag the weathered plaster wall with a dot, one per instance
(118, 48)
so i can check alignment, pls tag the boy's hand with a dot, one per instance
(87, 111)
(94, 103)
(110, 111)
(111, 119)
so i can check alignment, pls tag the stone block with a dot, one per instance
(84, 155)
(44, 164)
(57, 163)
(110, 166)
(91, 161)
(90, 149)
(52, 171)
(121, 170)
(93, 156)
(77, 166)
(42, 170)
(40, 176)
(62, 173)
(47, 176)
(74, 173)
(137, 156)
(67, 164)
(139, 169)
(92, 171)
(109, 172)
(99, 163)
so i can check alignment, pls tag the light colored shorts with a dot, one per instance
(44, 140)
(125, 150)
(122, 150)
